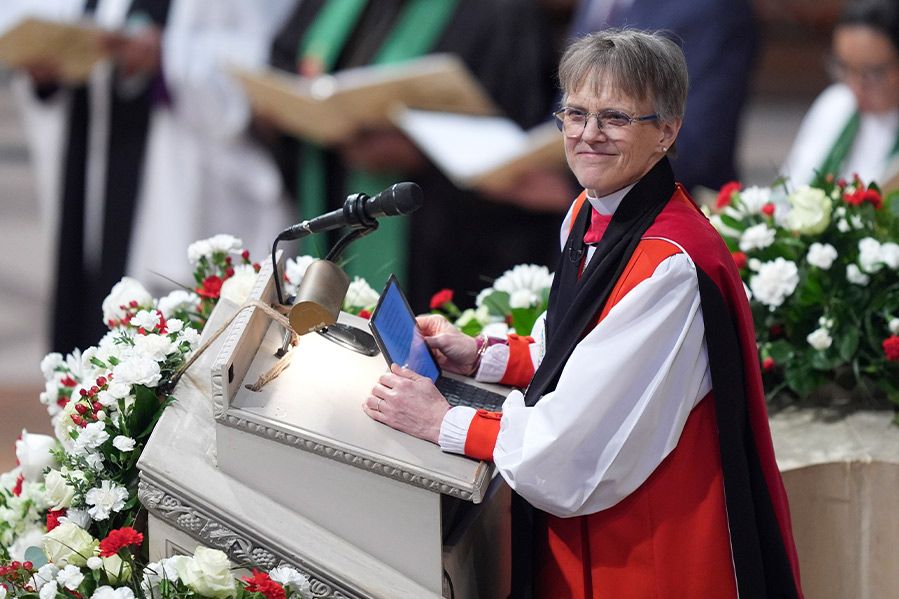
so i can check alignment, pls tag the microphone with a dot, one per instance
(360, 211)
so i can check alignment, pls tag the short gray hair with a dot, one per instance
(640, 63)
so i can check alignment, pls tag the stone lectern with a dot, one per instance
(296, 473)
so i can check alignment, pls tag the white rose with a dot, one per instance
(69, 544)
(819, 339)
(123, 443)
(869, 257)
(774, 282)
(756, 237)
(360, 295)
(138, 370)
(117, 570)
(208, 573)
(59, 492)
(122, 294)
(179, 299)
(810, 212)
(821, 255)
(33, 454)
(855, 276)
(889, 254)
(64, 424)
(237, 288)
(894, 326)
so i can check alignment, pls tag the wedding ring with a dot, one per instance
(378, 407)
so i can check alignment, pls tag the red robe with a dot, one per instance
(671, 537)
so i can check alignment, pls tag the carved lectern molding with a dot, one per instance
(259, 426)
(241, 548)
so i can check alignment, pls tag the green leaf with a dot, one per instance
(847, 344)
(146, 404)
(498, 303)
(523, 320)
(781, 351)
(36, 556)
(472, 328)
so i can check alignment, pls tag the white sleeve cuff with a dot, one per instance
(454, 429)
(493, 364)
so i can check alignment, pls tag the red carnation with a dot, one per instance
(768, 209)
(739, 259)
(444, 296)
(768, 364)
(725, 196)
(891, 348)
(53, 517)
(17, 490)
(117, 539)
(364, 313)
(260, 582)
(212, 287)
(861, 195)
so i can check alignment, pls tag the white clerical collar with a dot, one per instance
(609, 204)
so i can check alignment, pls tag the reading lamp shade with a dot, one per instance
(319, 297)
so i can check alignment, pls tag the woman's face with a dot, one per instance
(866, 60)
(608, 159)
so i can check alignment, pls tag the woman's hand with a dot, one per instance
(455, 351)
(408, 402)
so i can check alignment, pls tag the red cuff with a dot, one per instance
(520, 369)
(482, 434)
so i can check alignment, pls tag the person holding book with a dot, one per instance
(503, 43)
(853, 126)
(639, 450)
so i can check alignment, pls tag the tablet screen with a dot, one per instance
(398, 336)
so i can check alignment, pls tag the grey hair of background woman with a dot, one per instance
(640, 64)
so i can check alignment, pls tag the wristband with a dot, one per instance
(481, 343)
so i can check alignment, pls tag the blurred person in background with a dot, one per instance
(508, 48)
(853, 126)
(719, 39)
(107, 123)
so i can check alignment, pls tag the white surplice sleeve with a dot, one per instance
(620, 405)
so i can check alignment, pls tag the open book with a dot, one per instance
(329, 108)
(74, 47)
(481, 151)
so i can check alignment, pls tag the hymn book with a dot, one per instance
(486, 152)
(328, 109)
(73, 47)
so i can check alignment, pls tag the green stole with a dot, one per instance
(415, 32)
(833, 163)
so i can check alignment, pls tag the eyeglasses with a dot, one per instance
(573, 121)
(869, 75)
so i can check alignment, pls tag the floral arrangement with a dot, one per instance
(821, 267)
(512, 304)
(80, 485)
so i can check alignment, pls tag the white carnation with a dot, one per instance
(123, 443)
(291, 578)
(855, 276)
(70, 577)
(774, 282)
(821, 255)
(820, 339)
(146, 320)
(155, 347)
(107, 592)
(179, 299)
(294, 270)
(44, 575)
(523, 298)
(756, 237)
(90, 437)
(122, 294)
(752, 199)
(894, 326)
(207, 247)
(138, 370)
(843, 225)
(889, 254)
(50, 363)
(869, 256)
(49, 590)
(524, 276)
(79, 518)
(105, 499)
(360, 295)
(94, 562)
